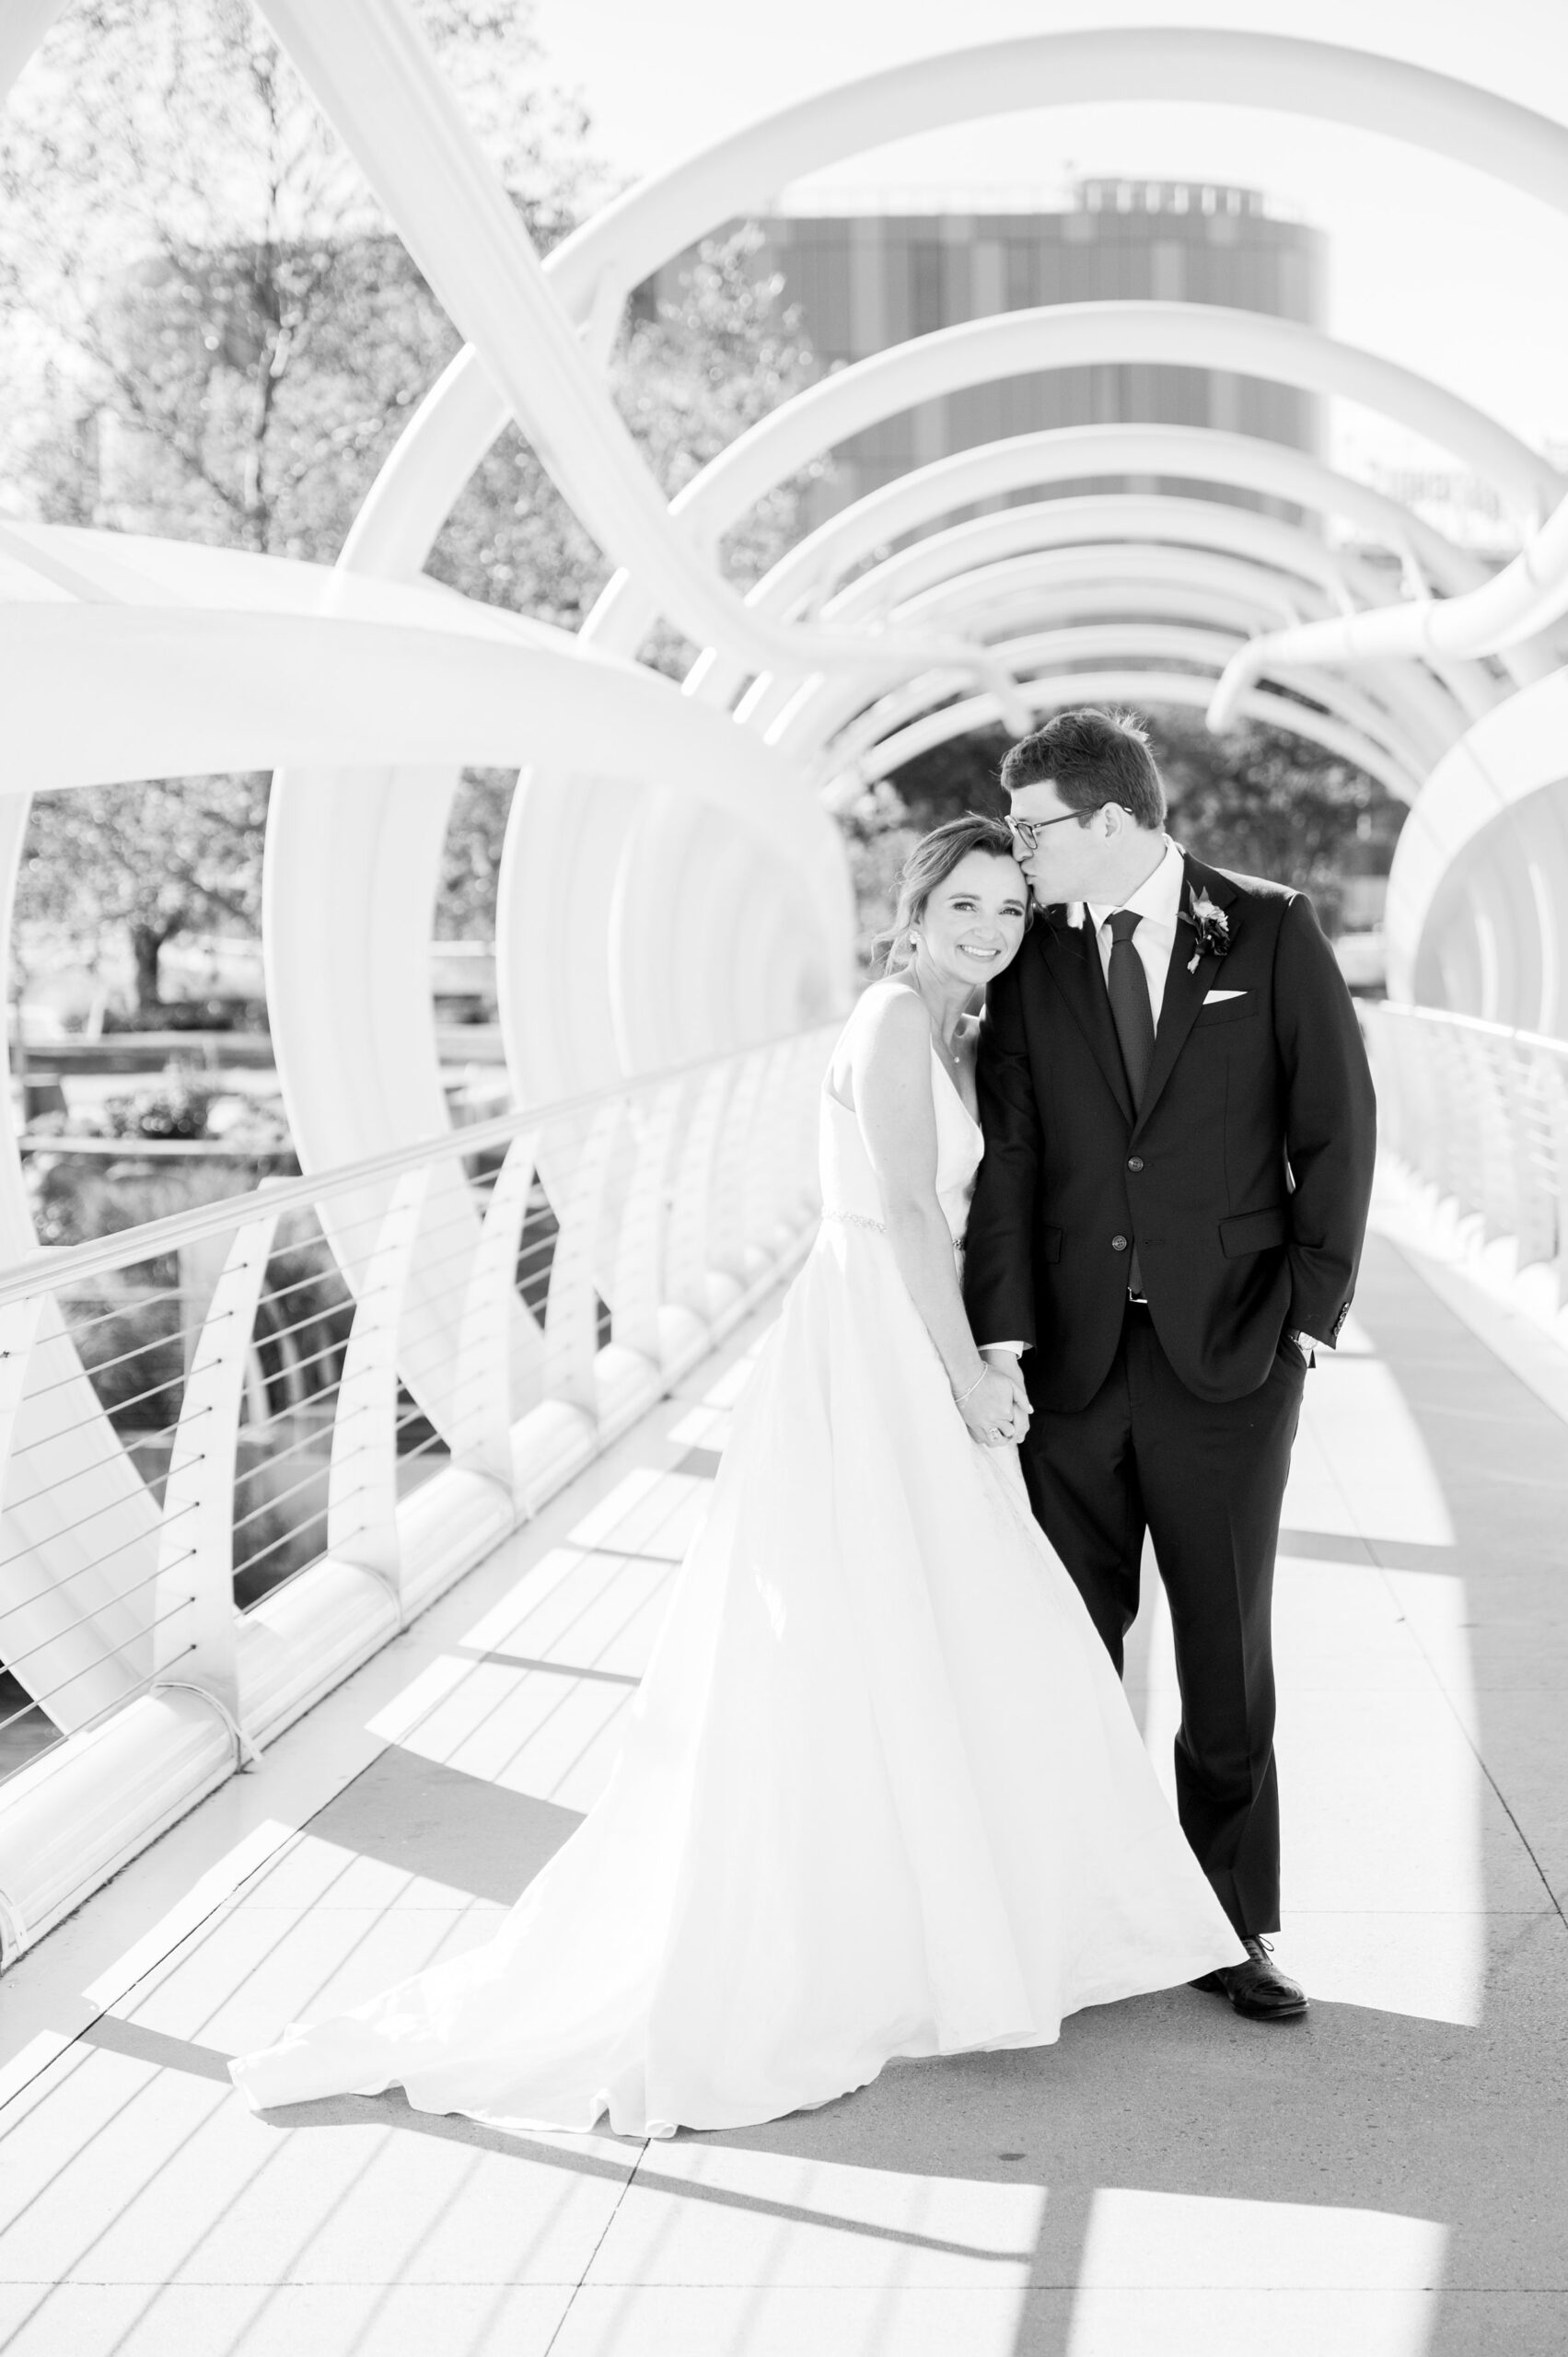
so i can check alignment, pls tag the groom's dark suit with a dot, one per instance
(1242, 1182)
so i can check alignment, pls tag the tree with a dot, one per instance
(154, 860)
(227, 336)
(1266, 803)
(243, 378)
(220, 341)
(687, 381)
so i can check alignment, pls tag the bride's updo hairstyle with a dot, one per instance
(931, 863)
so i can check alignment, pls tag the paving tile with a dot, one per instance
(553, 1738)
(1501, 2321)
(1286, 2322)
(700, 2214)
(835, 2320)
(285, 2320)
(253, 1969)
(954, 2206)
(581, 1606)
(169, 2176)
(651, 1513)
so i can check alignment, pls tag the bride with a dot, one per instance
(880, 1794)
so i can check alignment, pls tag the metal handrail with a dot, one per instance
(57, 1265)
(529, 1310)
(1480, 1111)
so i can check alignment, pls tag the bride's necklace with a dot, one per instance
(949, 1056)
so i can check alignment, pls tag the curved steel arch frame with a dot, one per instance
(1063, 335)
(594, 269)
(644, 808)
(385, 82)
(1039, 653)
(1509, 773)
(1185, 690)
(1487, 134)
(811, 570)
(1004, 597)
(1018, 534)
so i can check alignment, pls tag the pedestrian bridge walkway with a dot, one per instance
(1387, 2178)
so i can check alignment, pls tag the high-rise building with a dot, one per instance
(864, 281)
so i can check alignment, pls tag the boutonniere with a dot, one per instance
(1211, 924)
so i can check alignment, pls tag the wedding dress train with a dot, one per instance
(881, 1792)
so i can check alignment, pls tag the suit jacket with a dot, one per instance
(1244, 1181)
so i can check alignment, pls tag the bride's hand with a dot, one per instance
(994, 1411)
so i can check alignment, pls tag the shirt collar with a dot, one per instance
(1157, 898)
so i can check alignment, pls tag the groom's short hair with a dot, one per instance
(1091, 756)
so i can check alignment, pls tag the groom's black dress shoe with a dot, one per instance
(1258, 1988)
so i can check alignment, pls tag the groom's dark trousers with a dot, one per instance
(1242, 1179)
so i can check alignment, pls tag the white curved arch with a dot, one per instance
(811, 570)
(1004, 597)
(1513, 756)
(412, 478)
(372, 71)
(1040, 653)
(187, 692)
(1129, 687)
(1022, 532)
(627, 241)
(1063, 454)
(998, 595)
(1114, 601)
(1526, 597)
(1066, 335)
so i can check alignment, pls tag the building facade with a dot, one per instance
(866, 281)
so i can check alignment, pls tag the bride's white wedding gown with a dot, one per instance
(880, 1793)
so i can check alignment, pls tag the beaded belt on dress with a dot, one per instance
(857, 1219)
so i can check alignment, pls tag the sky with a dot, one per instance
(1430, 262)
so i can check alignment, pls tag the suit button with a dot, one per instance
(1134, 1162)
(1119, 1244)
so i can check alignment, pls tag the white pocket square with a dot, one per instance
(1212, 998)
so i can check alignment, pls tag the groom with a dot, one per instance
(1179, 1141)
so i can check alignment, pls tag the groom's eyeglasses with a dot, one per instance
(1027, 832)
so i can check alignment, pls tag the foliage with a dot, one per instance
(154, 859)
(1263, 803)
(175, 1109)
(216, 337)
(228, 331)
(713, 361)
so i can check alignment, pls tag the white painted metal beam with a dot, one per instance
(368, 63)
(1185, 690)
(1523, 599)
(628, 240)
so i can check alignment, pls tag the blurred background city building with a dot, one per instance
(893, 266)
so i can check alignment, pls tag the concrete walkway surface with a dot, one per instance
(1387, 2178)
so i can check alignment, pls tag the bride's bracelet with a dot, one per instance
(959, 1397)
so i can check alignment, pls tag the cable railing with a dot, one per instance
(240, 1447)
(1480, 1112)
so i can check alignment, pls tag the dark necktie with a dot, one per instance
(1135, 1019)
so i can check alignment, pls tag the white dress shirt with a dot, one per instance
(1157, 901)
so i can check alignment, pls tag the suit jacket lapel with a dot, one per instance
(1072, 960)
(1184, 991)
